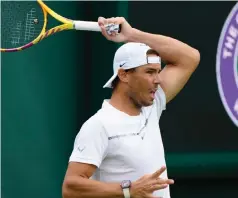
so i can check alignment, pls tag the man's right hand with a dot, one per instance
(126, 29)
(146, 185)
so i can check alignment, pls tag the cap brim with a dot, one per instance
(109, 82)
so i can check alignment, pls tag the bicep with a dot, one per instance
(173, 79)
(80, 169)
(76, 174)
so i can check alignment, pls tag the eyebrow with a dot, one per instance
(152, 69)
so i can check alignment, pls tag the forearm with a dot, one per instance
(170, 50)
(85, 188)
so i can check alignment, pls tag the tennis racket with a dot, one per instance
(23, 24)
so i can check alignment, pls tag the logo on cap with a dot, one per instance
(122, 64)
(227, 65)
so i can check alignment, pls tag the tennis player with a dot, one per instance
(118, 152)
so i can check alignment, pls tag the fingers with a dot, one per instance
(104, 31)
(163, 181)
(114, 20)
(119, 20)
(156, 174)
(161, 184)
(115, 29)
(149, 183)
(103, 23)
(158, 187)
(169, 181)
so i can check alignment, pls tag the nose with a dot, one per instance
(157, 79)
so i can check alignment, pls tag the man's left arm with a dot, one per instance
(181, 60)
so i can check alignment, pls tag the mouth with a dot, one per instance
(152, 94)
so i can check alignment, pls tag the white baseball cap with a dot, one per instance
(131, 55)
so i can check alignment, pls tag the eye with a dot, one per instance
(149, 72)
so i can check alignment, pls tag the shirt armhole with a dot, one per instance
(160, 99)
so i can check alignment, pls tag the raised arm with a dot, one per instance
(181, 59)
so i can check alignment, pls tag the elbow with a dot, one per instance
(69, 188)
(195, 57)
(191, 59)
(66, 189)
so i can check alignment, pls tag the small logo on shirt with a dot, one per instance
(81, 149)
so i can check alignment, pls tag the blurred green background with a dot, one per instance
(49, 90)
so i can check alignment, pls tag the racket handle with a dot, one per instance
(93, 26)
(87, 25)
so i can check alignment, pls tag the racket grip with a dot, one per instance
(93, 26)
(87, 25)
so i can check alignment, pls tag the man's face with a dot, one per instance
(143, 83)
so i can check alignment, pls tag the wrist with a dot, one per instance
(126, 188)
(135, 35)
(132, 190)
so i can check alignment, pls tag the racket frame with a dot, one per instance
(67, 25)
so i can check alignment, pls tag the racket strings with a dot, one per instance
(21, 22)
(30, 25)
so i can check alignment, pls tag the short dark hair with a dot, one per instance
(117, 79)
(115, 82)
(151, 51)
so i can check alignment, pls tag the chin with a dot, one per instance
(147, 103)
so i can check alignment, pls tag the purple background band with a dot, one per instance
(228, 82)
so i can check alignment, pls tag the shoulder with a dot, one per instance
(92, 122)
(101, 121)
(92, 127)
(91, 142)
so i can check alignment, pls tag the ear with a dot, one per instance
(123, 75)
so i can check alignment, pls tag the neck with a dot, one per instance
(121, 101)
